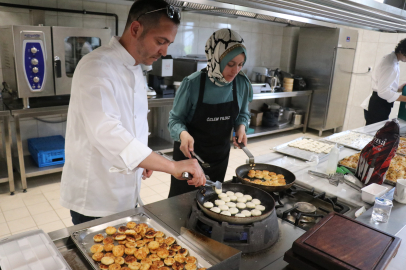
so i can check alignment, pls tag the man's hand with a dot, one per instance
(186, 143)
(191, 166)
(146, 174)
(241, 135)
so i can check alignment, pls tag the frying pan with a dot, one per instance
(210, 195)
(242, 172)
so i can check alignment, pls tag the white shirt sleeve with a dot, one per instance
(101, 115)
(387, 84)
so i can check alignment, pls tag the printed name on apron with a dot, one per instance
(222, 118)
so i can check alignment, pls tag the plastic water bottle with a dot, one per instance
(333, 160)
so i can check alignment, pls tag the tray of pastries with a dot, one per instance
(350, 139)
(397, 167)
(136, 242)
(304, 148)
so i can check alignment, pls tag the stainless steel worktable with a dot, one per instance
(6, 167)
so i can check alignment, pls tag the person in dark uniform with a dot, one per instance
(209, 104)
(385, 86)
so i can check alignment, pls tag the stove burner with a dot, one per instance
(305, 207)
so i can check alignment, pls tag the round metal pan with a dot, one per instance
(242, 172)
(210, 195)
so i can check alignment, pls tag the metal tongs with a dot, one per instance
(202, 163)
(251, 158)
(332, 179)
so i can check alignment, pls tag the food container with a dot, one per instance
(369, 193)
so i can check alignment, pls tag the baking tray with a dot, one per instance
(358, 146)
(30, 250)
(299, 153)
(83, 239)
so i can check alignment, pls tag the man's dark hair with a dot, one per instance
(149, 20)
(401, 47)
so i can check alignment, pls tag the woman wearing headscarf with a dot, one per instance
(208, 105)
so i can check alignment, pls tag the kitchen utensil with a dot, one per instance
(273, 83)
(369, 193)
(210, 195)
(400, 191)
(242, 172)
(202, 163)
(217, 185)
(382, 209)
(332, 179)
(246, 151)
(353, 182)
(339, 242)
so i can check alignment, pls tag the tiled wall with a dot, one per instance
(372, 46)
(263, 40)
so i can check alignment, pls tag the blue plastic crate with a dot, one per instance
(47, 151)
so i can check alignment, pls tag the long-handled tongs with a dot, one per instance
(251, 158)
(202, 163)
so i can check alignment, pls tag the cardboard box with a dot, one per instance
(256, 118)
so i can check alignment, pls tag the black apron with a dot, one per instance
(378, 109)
(210, 128)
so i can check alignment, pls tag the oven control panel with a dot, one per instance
(34, 64)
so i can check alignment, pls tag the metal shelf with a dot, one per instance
(32, 169)
(260, 131)
(159, 144)
(3, 171)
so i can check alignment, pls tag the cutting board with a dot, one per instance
(338, 242)
(298, 263)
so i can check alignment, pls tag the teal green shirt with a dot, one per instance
(187, 96)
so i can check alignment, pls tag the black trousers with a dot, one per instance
(378, 109)
(79, 218)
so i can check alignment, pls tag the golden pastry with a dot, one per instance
(122, 229)
(96, 248)
(108, 247)
(169, 241)
(160, 239)
(140, 254)
(134, 266)
(108, 240)
(111, 230)
(154, 257)
(140, 243)
(129, 251)
(122, 242)
(146, 249)
(159, 234)
(109, 254)
(169, 261)
(163, 245)
(130, 238)
(137, 237)
(145, 266)
(191, 259)
(125, 268)
(163, 253)
(171, 253)
(177, 266)
(119, 260)
(130, 232)
(175, 247)
(251, 173)
(129, 259)
(103, 266)
(98, 256)
(183, 252)
(107, 260)
(190, 266)
(267, 177)
(98, 237)
(153, 267)
(131, 225)
(153, 245)
(158, 264)
(118, 251)
(153, 251)
(119, 236)
(114, 266)
(146, 260)
(150, 234)
(202, 268)
(164, 268)
(130, 244)
(179, 258)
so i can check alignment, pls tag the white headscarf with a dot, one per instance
(219, 45)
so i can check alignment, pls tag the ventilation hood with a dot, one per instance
(367, 14)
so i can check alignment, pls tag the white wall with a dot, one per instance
(371, 47)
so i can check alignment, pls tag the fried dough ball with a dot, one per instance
(107, 260)
(154, 257)
(130, 232)
(153, 251)
(129, 259)
(140, 243)
(183, 252)
(122, 229)
(130, 245)
(169, 241)
(146, 260)
(108, 240)
(169, 261)
(109, 254)
(119, 260)
(171, 253)
(114, 266)
(123, 242)
(103, 266)
(134, 266)
(145, 266)
(131, 225)
(111, 230)
(251, 173)
(158, 264)
(118, 251)
(146, 249)
(191, 259)
(163, 245)
(96, 248)
(160, 239)
(150, 234)
(159, 234)
(147, 240)
(153, 245)
(119, 236)
(98, 256)
(137, 237)
(179, 258)
(98, 237)
(190, 266)
(130, 238)
(177, 266)
(140, 254)
(108, 247)
(162, 253)
(129, 251)
(175, 247)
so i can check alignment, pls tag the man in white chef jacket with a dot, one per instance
(106, 148)
(385, 86)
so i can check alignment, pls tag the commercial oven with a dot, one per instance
(40, 61)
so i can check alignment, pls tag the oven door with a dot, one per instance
(69, 46)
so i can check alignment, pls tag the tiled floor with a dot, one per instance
(40, 208)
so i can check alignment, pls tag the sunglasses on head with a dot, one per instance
(171, 11)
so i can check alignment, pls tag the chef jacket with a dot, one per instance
(385, 80)
(106, 133)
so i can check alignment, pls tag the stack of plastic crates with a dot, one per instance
(47, 151)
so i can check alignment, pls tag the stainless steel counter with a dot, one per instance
(6, 166)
